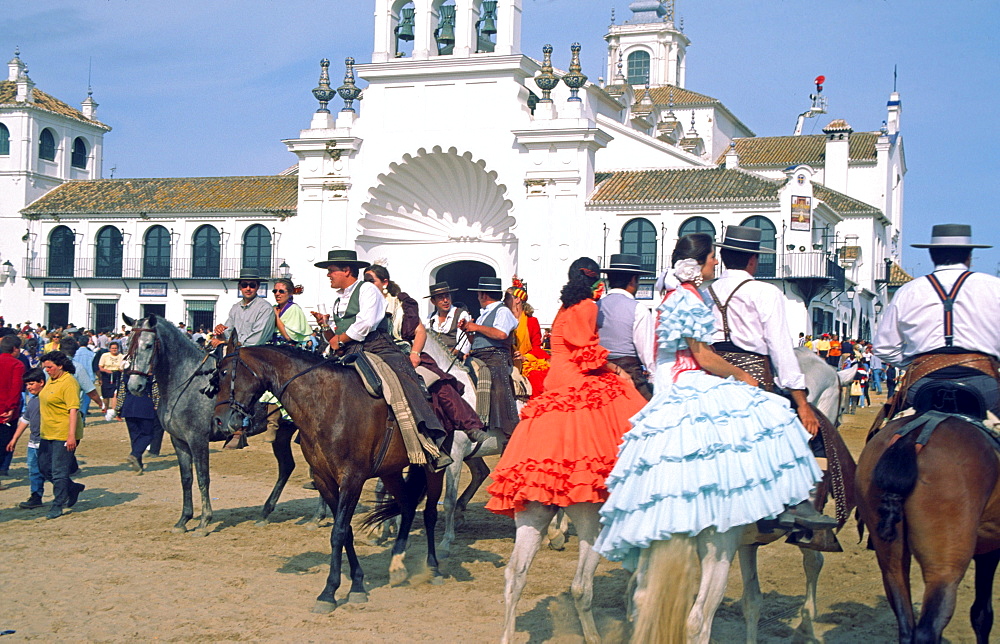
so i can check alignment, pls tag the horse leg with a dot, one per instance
(812, 564)
(319, 513)
(715, 550)
(183, 451)
(358, 594)
(558, 531)
(894, 561)
(387, 526)
(752, 598)
(345, 500)
(435, 482)
(588, 524)
(480, 472)
(282, 448)
(530, 523)
(407, 493)
(199, 453)
(452, 474)
(982, 608)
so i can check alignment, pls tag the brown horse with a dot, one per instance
(941, 504)
(346, 438)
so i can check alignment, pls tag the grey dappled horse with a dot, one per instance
(182, 371)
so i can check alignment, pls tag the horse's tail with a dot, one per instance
(415, 486)
(663, 591)
(896, 475)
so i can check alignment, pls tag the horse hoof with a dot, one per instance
(261, 523)
(357, 598)
(397, 577)
(558, 543)
(178, 529)
(437, 580)
(312, 525)
(200, 532)
(323, 608)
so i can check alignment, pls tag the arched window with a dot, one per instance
(62, 252)
(47, 145)
(638, 67)
(207, 254)
(108, 262)
(257, 250)
(696, 225)
(768, 239)
(156, 253)
(639, 238)
(79, 157)
(4, 140)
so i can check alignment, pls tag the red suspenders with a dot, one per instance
(948, 300)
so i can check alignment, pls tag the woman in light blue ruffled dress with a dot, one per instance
(710, 450)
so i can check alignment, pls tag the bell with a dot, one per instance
(488, 25)
(445, 32)
(404, 31)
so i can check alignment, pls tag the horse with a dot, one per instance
(938, 502)
(347, 438)
(157, 349)
(666, 563)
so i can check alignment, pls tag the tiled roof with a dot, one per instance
(838, 125)
(661, 95)
(810, 149)
(8, 92)
(711, 185)
(187, 195)
(897, 276)
(842, 203)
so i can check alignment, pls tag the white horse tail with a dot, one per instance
(664, 587)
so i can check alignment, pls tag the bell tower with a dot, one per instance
(648, 47)
(424, 29)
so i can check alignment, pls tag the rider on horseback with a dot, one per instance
(626, 327)
(965, 348)
(359, 324)
(751, 333)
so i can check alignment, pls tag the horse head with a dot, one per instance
(235, 396)
(140, 352)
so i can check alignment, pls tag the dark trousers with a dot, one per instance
(503, 407)
(140, 433)
(56, 463)
(633, 367)
(157, 442)
(6, 433)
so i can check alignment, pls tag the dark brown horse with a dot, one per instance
(941, 504)
(346, 438)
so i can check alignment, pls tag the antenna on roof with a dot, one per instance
(894, 78)
(90, 69)
(113, 168)
(818, 105)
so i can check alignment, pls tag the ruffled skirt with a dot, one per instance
(565, 445)
(707, 452)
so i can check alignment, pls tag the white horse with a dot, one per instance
(662, 580)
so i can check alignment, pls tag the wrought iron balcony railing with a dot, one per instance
(137, 268)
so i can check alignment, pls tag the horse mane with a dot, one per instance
(169, 332)
(293, 351)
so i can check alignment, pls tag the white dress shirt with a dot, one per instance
(643, 334)
(757, 323)
(371, 312)
(913, 323)
(504, 320)
(433, 323)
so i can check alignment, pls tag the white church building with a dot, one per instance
(468, 158)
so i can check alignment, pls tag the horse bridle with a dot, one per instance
(241, 409)
(133, 346)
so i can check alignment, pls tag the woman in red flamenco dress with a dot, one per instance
(565, 445)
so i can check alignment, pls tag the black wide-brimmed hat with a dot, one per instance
(744, 238)
(622, 263)
(249, 274)
(342, 258)
(441, 288)
(951, 236)
(488, 285)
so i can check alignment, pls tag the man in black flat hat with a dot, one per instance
(253, 319)
(944, 327)
(444, 321)
(624, 326)
(752, 333)
(359, 324)
(491, 343)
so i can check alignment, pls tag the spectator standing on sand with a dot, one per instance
(31, 420)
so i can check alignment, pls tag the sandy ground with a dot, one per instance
(112, 570)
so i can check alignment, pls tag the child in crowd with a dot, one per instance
(34, 380)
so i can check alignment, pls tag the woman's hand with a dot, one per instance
(414, 359)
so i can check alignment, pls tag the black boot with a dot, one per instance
(804, 515)
(34, 501)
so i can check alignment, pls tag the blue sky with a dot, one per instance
(197, 88)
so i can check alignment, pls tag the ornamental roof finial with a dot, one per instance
(546, 80)
(349, 91)
(575, 78)
(323, 92)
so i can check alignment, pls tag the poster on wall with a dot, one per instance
(801, 213)
(152, 289)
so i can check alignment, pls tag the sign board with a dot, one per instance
(152, 289)
(56, 288)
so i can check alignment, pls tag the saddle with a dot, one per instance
(937, 402)
(361, 363)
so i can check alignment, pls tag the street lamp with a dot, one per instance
(6, 272)
(285, 269)
(878, 308)
(850, 293)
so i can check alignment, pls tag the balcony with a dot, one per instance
(810, 271)
(179, 268)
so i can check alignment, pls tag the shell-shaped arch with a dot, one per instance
(437, 196)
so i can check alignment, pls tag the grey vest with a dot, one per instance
(615, 319)
(482, 342)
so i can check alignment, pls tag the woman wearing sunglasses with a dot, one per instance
(291, 327)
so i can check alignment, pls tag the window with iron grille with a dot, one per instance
(103, 314)
(156, 253)
(207, 255)
(62, 252)
(257, 250)
(108, 262)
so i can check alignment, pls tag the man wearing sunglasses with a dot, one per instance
(253, 319)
